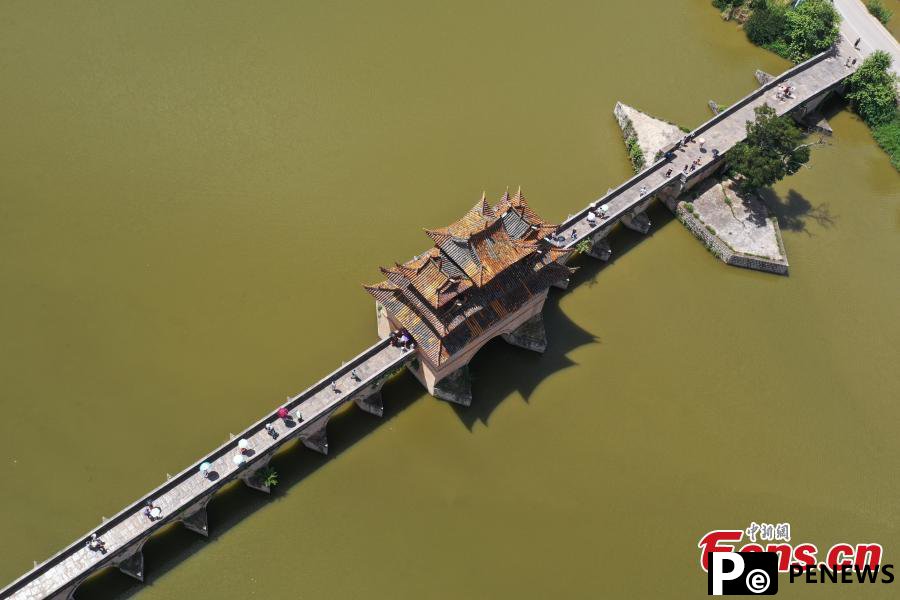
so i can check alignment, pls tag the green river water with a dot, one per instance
(191, 194)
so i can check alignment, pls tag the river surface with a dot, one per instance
(192, 193)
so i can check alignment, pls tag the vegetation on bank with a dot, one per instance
(773, 149)
(873, 94)
(799, 33)
(873, 89)
(635, 154)
(879, 11)
(793, 33)
(888, 137)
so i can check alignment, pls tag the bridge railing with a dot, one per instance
(700, 129)
(216, 454)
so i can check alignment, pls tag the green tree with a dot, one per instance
(767, 23)
(873, 89)
(879, 11)
(812, 27)
(773, 149)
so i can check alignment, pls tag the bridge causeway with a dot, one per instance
(184, 497)
(810, 81)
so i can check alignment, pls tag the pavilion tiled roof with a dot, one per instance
(483, 267)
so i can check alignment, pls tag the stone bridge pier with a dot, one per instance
(194, 517)
(600, 248)
(314, 437)
(452, 382)
(637, 219)
(131, 560)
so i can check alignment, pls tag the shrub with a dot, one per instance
(689, 207)
(270, 477)
(812, 27)
(873, 89)
(879, 11)
(888, 137)
(710, 229)
(767, 23)
(795, 34)
(635, 154)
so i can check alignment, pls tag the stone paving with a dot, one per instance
(126, 533)
(744, 224)
(721, 133)
(652, 133)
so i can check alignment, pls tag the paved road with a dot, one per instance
(858, 23)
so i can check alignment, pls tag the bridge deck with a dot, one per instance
(189, 487)
(722, 132)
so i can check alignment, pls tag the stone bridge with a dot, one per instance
(183, 498)
(666, 178)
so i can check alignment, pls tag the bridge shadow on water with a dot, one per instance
(498, 371)
(235, 502)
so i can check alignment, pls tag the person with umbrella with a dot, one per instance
(204, 469)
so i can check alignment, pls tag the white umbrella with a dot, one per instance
(605, 209)
(242, 444)
(239, 459)
(204, 468)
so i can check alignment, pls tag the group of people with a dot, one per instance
(151, 511)
(401, 339)
(95, 544)
(783, 93)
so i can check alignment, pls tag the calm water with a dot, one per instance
(192, 194)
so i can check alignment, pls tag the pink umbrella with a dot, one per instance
(282, 413)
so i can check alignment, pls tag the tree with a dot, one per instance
(773, 149)
(812, 27)
(766, 24)
(873, 89)
(879, 11)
